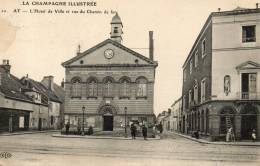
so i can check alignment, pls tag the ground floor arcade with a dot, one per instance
(214, 118)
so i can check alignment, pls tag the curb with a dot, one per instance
(100, 137)
(217, 143)
(29, 132)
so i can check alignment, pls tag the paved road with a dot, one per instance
(44, 150)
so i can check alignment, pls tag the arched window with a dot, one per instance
(141, 87)
(92, 87)
(124, 87)
(207, 121)
(76, 87)
(198, 121)
(202, 121)
(108, 87)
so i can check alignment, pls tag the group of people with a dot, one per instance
(133, 129)
(231, 136)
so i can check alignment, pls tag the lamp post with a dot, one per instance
(83, 120)
(125, 121)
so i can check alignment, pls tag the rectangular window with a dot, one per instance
(203, 90)
(195, 93)
(190, 97)
(184, 75)
(196, 58)
(203, 48)
(249, 90)
(191, 65)
(248, 34)
(184, 102)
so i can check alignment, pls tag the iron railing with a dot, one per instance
(248, 95)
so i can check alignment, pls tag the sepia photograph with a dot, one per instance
(129, 83)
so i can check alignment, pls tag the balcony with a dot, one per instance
(248, 95)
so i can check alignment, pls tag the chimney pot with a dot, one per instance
(219, 9)
(257, 5)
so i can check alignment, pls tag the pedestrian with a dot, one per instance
(197, 134)
(67, 126)
(253, 135)
(160, 127)
(144, 131)
(133, 130)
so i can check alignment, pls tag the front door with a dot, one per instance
(108, 123)
(40, 124)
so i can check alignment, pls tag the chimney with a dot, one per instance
(151, 48)
(256, 5)
(48, 82)
(0, 78)
(6, 66)
(219, 9)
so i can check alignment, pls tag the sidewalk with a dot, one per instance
(239, 143)
(101, 137)
(27, 132)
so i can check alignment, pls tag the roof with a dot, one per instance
(92, 49)
(59, 92)
(236, 11)
(116, 19)
(42, 89)
(11, 87)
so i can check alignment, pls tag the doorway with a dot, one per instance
(248, 121)
(108, 123)
(40, 124)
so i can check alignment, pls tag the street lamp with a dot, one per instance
(83, 120)
(125, 121)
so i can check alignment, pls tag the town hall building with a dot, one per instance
(110, 85)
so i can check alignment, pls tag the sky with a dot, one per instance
(36, 44)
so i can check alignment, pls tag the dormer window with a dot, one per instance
(248, 34)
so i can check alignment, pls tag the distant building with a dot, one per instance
(19, 111)
(221, 76)
(48, 95)
(111, 82)
(176, 118)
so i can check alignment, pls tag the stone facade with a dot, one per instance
(222, 88)
(112, 82)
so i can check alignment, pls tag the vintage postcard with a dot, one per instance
(129, 82)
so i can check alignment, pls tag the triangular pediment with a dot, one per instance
(248, 65)
(97, 56)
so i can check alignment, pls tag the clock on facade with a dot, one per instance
(109, 53)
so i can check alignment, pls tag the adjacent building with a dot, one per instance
(49, 97)
(177, 116)
(18, 108)
(109, 84)
(221, 76)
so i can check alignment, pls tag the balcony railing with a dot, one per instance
(248, 95)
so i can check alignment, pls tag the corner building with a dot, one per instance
(221, 76)
(112, 82)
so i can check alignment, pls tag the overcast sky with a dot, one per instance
(37, 44)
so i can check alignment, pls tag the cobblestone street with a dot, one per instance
(42, 149)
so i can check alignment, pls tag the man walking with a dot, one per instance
(67, 126)
(144, 131)
(133, 130)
